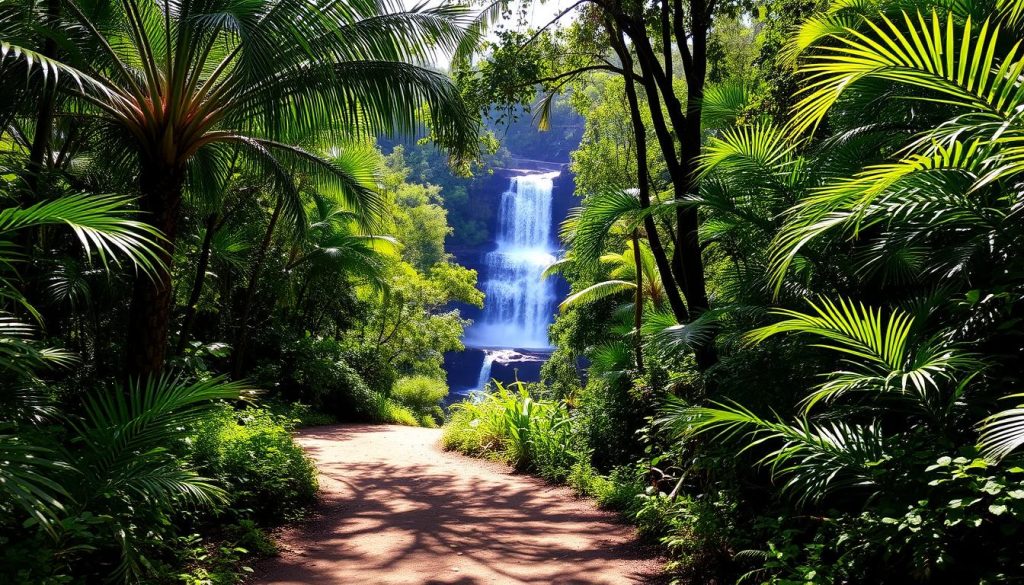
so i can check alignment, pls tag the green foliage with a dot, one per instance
(610, 415)
(955, 522)
(620, 490)
(250, 452)
(423, 395)
(410, 326)
(321, 376)
(299, 415)
(157, 171)
(510, 425)
(385, 410)
(219, 563)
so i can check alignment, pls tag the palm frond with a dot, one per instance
(596, 292)
(883, 354)
(671, 339)
(101, 223)
(758, 148)
(849, 328)
(27, 479)
(1003, 432)
(125, 435)
(20, 356)
(813, 460)
(723, 105)
(595, 219)
(959, 65)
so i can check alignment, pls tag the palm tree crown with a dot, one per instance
(181, 88)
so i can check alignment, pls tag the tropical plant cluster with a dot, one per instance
(845, 406)
(202, 248)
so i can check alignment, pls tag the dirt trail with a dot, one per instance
(398, 510)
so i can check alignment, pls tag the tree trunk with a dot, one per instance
(197, 283)
(643, 182)
(152, 299)
(242, 337)
(638, 302)
(687, 220)
(687, 262)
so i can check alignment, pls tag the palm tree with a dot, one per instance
(181, 86)
(615, 213)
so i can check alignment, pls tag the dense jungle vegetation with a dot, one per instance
(201, 248)
(797, 284)
(792, 353)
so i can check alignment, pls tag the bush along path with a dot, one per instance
(397, 509)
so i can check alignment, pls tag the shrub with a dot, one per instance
(251, 452)
(474, 428)
(621, 490)
(300, 415)
(321, 376)
(513, 426)
(384, 410)
(611, 418)
(423, 395)
(375, 369)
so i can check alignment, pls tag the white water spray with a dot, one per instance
(519, 304)
(485, 370)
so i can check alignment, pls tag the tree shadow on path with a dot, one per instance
(397, 510)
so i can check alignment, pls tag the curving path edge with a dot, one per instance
(396, 509)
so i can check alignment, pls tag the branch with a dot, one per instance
(680, 30)
(666, 38)
(541, 30)
(588, 68)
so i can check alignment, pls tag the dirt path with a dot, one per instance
(398, 510)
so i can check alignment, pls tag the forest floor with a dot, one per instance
(396, 509)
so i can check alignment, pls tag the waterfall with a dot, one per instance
(519, 304)
(485, 370)
(501, 356)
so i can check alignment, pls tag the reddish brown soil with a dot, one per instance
(396, 509)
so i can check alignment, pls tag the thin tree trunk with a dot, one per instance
(687, 262)
(150, 313)
(242, 337)
(675, 301)
(638, 302)
(197, 283)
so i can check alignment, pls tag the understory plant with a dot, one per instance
(267, 477)
(509, 424)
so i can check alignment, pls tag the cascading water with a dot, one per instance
(485, 369)
(519, 304)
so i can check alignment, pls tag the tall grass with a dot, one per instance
(510, 425)
(385, 410)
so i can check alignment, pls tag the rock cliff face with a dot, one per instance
(467, 369)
